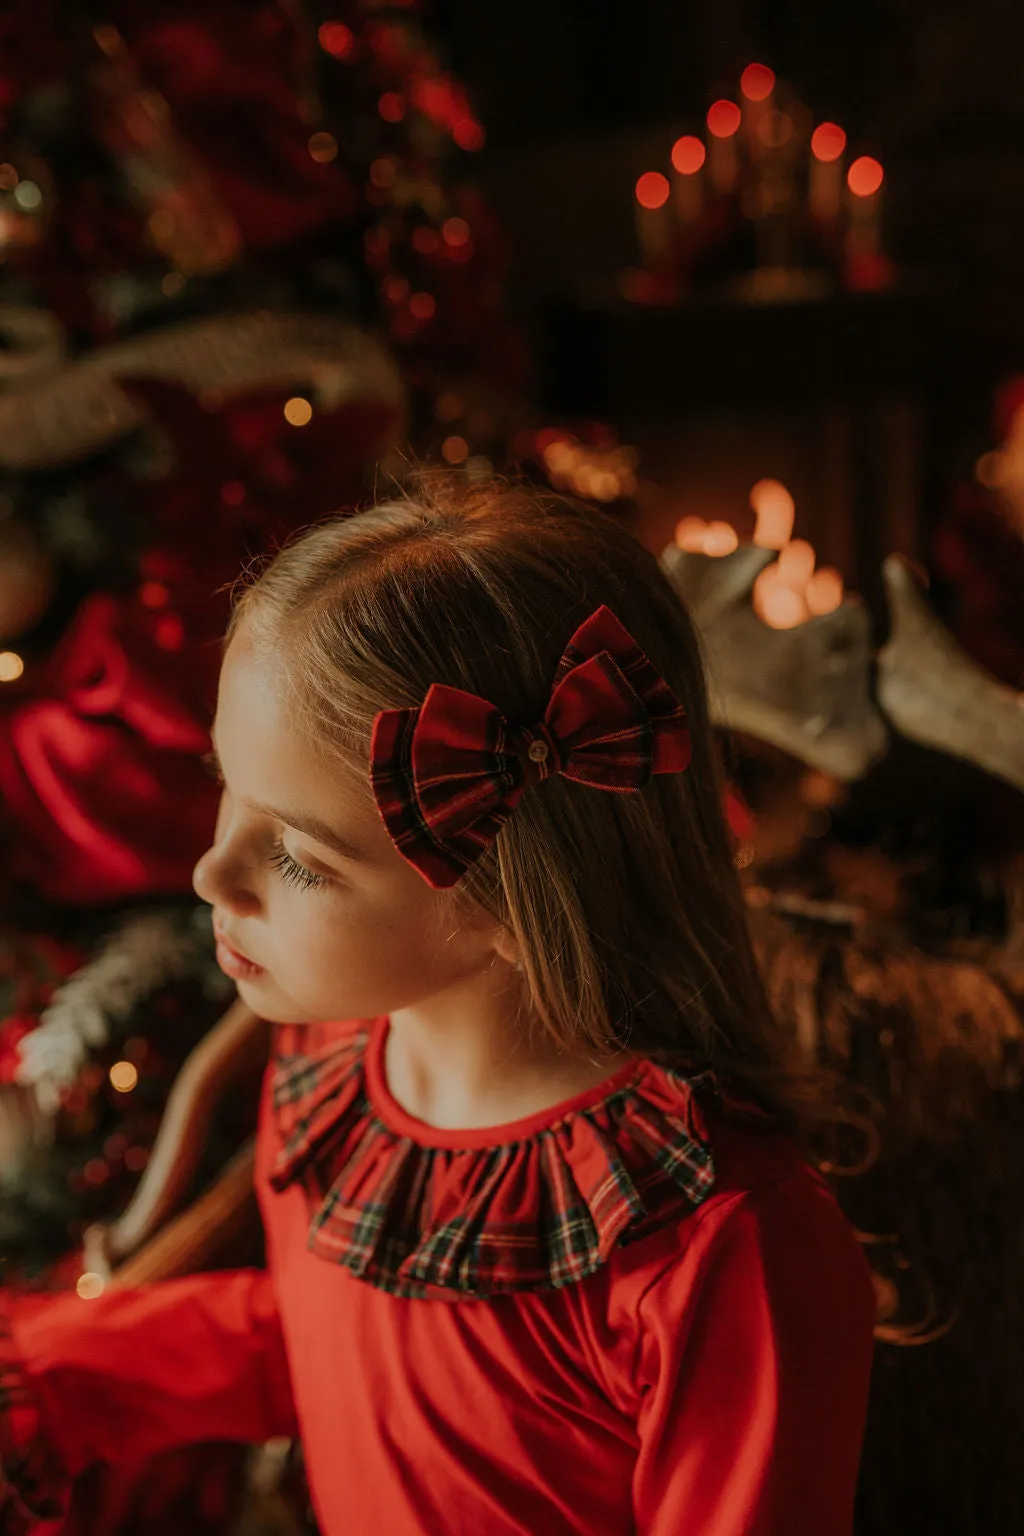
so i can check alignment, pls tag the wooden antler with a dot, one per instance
(936, 695)
(805, 689)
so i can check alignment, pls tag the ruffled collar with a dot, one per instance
(536, 1203)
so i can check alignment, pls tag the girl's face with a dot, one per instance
(304, 880)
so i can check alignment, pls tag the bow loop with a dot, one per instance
(446, 776)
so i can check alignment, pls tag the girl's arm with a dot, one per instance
(128, 1375)
(755, 1363)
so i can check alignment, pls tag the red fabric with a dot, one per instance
(499, 1213)
(111, 735)
(448, 774)
(709, 1379)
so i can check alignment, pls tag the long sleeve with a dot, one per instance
(755, 1361)
(130, 1374)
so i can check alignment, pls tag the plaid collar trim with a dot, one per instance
(459, 1223)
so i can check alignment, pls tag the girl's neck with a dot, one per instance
(470, 1061)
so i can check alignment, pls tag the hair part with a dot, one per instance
(626, 907)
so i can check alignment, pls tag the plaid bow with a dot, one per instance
(447, 775)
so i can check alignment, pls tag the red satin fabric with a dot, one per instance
(710, 1379)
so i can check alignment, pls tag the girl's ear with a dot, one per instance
(507, 949)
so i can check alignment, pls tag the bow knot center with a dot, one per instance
(538, 753)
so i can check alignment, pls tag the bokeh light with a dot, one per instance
(123, 1076)
(757, 82)
(391, 107)
(90, 1285)
(336, 39)
(323, 148)
(796, 564)
(11, 666)
(455, 450)
(688, 154)
(827, 142)
(824, 591)
(652, 190)
(864, 177)
(298, 412)
(720, 539)
(723, 118)
(775, 513)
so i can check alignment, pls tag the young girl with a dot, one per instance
(543, 1256)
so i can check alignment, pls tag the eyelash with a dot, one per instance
(290, 871)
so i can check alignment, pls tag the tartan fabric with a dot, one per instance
(455, 1223)
(447, 775)
(32, 1486)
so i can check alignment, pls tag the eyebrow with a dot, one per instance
(311, 826)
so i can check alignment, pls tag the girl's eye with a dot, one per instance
(293, 873)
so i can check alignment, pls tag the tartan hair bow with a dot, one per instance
(448, 774)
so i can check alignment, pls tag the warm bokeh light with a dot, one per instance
(395, 288)
(824, 592)
(123, 1076)
(757, 82)
(455, 450)
(391, 107)
(336, 39)
(455, 231)
(323, 148)
(154, 594)
(796, 564)
(775, 513)
(652, 190)
(383, 172)
(298, 412)
(425, 239)
(827, 141)
(423, 306)
(690, 534)
(720, 539)
(468, 134)
(775, 603)
(723, 118)
(864, 177)
(688, 154)
(11, 666)
(8, 177)
(90, 1285)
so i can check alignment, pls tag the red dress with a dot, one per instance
(626, 1314)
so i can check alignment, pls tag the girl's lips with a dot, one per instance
(232, 960)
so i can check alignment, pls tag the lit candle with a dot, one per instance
(775, 511)
(653, 226)
(828, 142)
(723, 162)
(824, 591)
(757, 83)
(688, 156)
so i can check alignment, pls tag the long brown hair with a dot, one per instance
(626, 907)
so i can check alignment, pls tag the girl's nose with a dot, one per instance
(222, 876)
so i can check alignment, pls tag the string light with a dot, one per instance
(90, 1285)
(11, 666)
(723, 119)
(423, 305)
(757, 82)
(323, 148)
(383, 172)
(336, 39)
(298, 412)
(391, 107)
(455, 231)
(468, 134)
(827, 142)
(454, 450)
(688, 155)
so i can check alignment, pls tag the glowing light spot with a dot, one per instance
(95, 1172)
(171, 284)
(169, 632)
(775, 512)
(11, 666)
(323, 148)
(383, 172)
(824, 591)
(561, 457)
(336, 39)
(777, 604)
(425, 239)
(652, 190)
(468, 134)
(690, 534)
(395, 288)
(723, 119)
(391, 107)
(775, 129)
(688, 155)
(153, 594)
(865, 176)
(123, 1076)
(28, 196)
(720, 539)
(827, 142)
(757, 82)
(455, 231)
(232, 493)
(423, 305)
(796, 564)
(90, 1285)
(454, 450)
(298, 412)
(8, 177)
